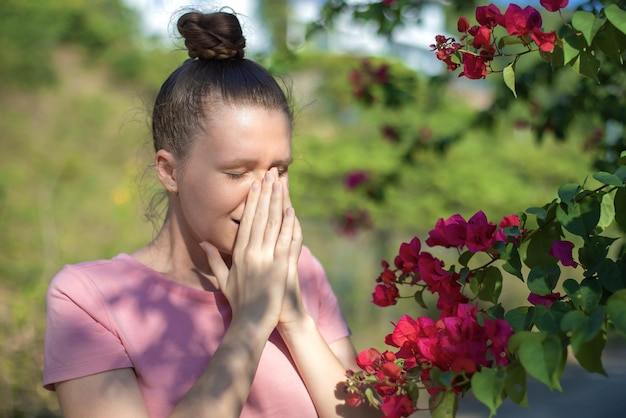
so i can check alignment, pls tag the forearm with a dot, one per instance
(321, 371)
(224, 386)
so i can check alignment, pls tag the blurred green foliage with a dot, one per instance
(76, 84)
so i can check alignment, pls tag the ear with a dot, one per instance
(165, 164)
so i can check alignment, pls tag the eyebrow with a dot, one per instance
(250, 161)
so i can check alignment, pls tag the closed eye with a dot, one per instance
(235, 176)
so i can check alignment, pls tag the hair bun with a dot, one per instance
(215, 36)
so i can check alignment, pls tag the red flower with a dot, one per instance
(385, 295)
(489, 16)
(480, 233)
(562, 250)
(354, 400)
(482, 39)
(462, 24)
(545, 40)
(449, 233)
(554, 5)
(408, 256)
(474, 67)
(520, 22)
(507, 221)
(397, 406)
(369, 360)
(545, 300)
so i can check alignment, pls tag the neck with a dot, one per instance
(177, 257)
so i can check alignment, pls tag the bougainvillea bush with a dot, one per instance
(570, 254)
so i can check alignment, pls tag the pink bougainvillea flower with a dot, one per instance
(545, 40)
(397, 406)
(385, 294)
(554, 5)
(489, 16)
(431, 271)
(354, 400)
(449, 233)
(474, 67)
(507, 221)
(498, 331)
(562, 250)
(369, 360)
(354, 179)
(482, 39)
(545, 300)
(388, 2)
(408, 256)
(462, 24)
(520, 22)
(480, 233)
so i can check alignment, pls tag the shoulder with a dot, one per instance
(79, 277)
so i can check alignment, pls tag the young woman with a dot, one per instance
(224, 313)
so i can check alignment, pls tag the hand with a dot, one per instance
(262, 256)
(292, 308)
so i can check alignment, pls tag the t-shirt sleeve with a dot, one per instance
(80, 340)
(322, 299)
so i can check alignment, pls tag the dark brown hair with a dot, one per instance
(215, 74)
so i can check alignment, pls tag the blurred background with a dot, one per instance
(385, 141)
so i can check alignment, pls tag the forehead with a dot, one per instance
(246, 132)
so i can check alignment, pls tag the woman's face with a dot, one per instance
(239, 146)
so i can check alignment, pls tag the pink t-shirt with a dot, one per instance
(110, 314)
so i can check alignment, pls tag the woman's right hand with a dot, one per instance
(255, 283)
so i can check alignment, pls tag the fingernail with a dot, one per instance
(276, 186)
(255, 186)
(269, 176)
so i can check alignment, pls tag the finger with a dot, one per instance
(217, 265)
(275, 218)
(285, 237)
(286, 195)
(295, 247)
(247, 218)
(261, 212)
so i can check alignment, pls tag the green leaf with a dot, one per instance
(492, 285)
(616, 16)
(538, 212)
(443, 404)
(616, 308)
(465, 258)
(584, 296)
(607, 213)
(608, 178)
(588, 65)
(589, 354)
(610, 41)
(543, 279)
(549, 319)
(594, 252)
(568, 192)
(508, 73)
(521, 318)
(609, 275)
(515, 383)
(419, 298)
(513, 263)
(580, 218)
(488, 385)
(571, 49)
(509, 40)
(534, 251)
(619, 202)
(620, 173)
(541, 355)
(584, 22)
